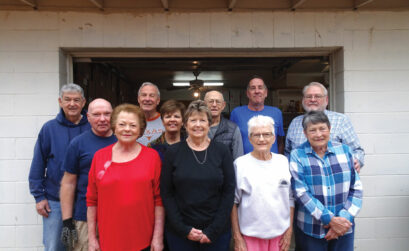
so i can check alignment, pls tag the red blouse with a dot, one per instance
(125, 195)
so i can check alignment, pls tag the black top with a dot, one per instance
(198, 195)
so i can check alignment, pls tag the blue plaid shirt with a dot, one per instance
(341, 131)
(324, 187)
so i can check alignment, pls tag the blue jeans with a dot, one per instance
(308, 243)
(52, 226)
(177, 243)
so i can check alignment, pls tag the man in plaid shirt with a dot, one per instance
(315, 98)
(326, 187)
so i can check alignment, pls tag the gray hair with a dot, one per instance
(324, 90)
(258, 121)
(71, 87)
(148, 83)
(197, 106)
(313, 118)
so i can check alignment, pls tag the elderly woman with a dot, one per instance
(263, 204)
(327, 188)
(172, 117)
(123, 195)
(197, 187)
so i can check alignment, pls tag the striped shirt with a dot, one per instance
(341, 131)
(324, 187)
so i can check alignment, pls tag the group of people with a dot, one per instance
(133, 178)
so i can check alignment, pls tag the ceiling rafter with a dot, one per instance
(297, 3)
(361, 3)
(98, 3)
(232, 3)
(165, 4)
(31, 3)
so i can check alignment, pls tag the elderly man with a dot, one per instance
(315, 98)
(257, 93)
(326, 187)
(76, 167)
(148, 99)
(49, 151)
(221, 129)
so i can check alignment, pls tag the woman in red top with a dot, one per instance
(123, 196)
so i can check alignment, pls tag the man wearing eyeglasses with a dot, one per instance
(315, 98)
(221, 129)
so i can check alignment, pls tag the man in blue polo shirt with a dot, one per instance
(76, 166)
(257, 93)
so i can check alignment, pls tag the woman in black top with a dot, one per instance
(197, 187)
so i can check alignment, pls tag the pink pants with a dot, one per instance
(257, 244)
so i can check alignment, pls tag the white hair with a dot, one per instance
(148, 83)
(71, 87)
(324, 90)
(258, 121)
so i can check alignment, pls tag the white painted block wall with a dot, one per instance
(372, 87)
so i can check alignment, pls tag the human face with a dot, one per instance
(256, 91)
(262, 139)
(317, 135)
(197, 125)
(215, 102)
(148, 98)
(72, 104)
(99, 117)
(127, 128)
(173, 121)
(314, 99)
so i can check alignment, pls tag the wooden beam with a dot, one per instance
(165, 4)
(232, 3)
(31, 3)
(297, 3)
(98, 3)
(360, 3)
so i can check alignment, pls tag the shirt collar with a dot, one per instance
(308, 149)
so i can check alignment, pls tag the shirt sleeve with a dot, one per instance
(156, 183)
(92, 189)
(288, 147)
(237, 144)
(350, 138)
(280, 123)
(71, 160)
(303, 194)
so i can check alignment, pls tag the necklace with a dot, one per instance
(197, 160)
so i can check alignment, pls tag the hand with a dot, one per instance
(357, 165)
(195, 234)
(69, 235)
(43, 208)
(240, 244)
(157, 244)
(204, 240)
(93, 244)
(339, 225)
(286, 239)
(331, 235)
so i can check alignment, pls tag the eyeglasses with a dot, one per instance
(265, 135)
(310, 97)
(211, 101)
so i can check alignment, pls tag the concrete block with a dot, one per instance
(7, 236)
(29, 236)
(283, 30)
(384, 206)
(263, 29)
(380, 122)
(328, 29)
(41, 121)
(6, 104)
(18, 214)
(135, 26)
(178, 30)
(7, 192)
(392, 228)
(365, 227)
(385, 185)
(113, 30)
(7, 146)
(304, 29)
(377, 81)
(395, 244)
(385, 143)
(23, 193)
(375, 101)
(199, 29)
(29, 105)
(81, 29)
(24, 148)
(385, 20)
(220, 30)
(241, 30)
(29, 40)
(17, 127)
(386, 164)
(29, 83)
(14, 170)
(18, 20)
(33, 62)
(156, 30)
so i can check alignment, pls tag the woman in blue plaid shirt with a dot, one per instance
(326, 187)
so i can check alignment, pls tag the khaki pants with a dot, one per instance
(82, 230)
